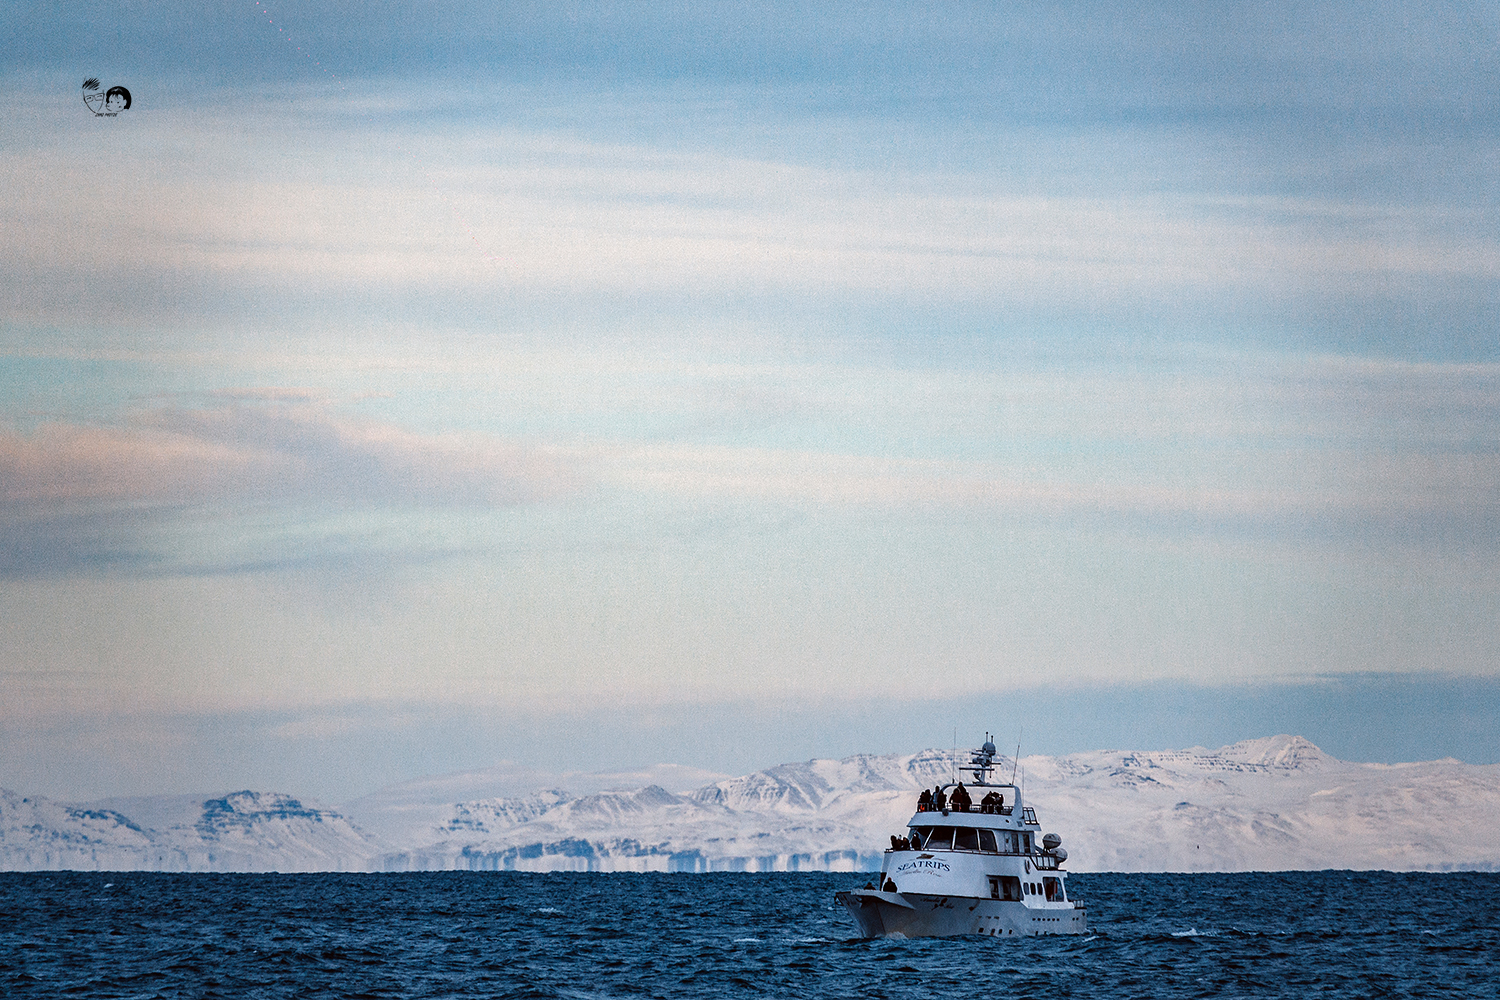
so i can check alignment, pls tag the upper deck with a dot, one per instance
(949, 820)
(1007, 814)
(977, 803)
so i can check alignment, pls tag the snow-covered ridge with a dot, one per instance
(241, 831)
(1268, 804)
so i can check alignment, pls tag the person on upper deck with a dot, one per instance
(961, 800)
(990, 803)
(924, 801)
(939, 799)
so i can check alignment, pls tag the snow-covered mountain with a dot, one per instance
(242, 831)
(1267, 804)
(415, 813)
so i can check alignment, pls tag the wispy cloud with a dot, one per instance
(1457, 497)
(250, 451)
(74, 496)
(1387, 452)
(468, 210)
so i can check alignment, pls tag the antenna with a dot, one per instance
(1016, 760)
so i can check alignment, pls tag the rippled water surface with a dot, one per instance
(506, 934)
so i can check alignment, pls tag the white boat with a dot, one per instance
(976, 866)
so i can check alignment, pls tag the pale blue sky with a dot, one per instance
(444, 385)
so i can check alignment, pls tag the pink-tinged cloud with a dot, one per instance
(66, 462)
(258, 452)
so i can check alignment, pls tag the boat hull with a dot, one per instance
(898, 914)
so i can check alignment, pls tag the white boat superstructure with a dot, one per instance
(968, 867)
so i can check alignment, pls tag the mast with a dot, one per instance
(982, 762)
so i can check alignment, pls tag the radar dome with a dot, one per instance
(988, 748)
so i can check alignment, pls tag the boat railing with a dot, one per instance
(976, 809)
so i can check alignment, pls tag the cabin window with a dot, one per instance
(987, 842)
(966, 839)
(1010, 888)
(1052, 889)
(1025, 843)
(994, 887)
(940, 839)
(1008, 839)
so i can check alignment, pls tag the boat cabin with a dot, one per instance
(968, 838)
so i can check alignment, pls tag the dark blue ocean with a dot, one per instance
(508, 934)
